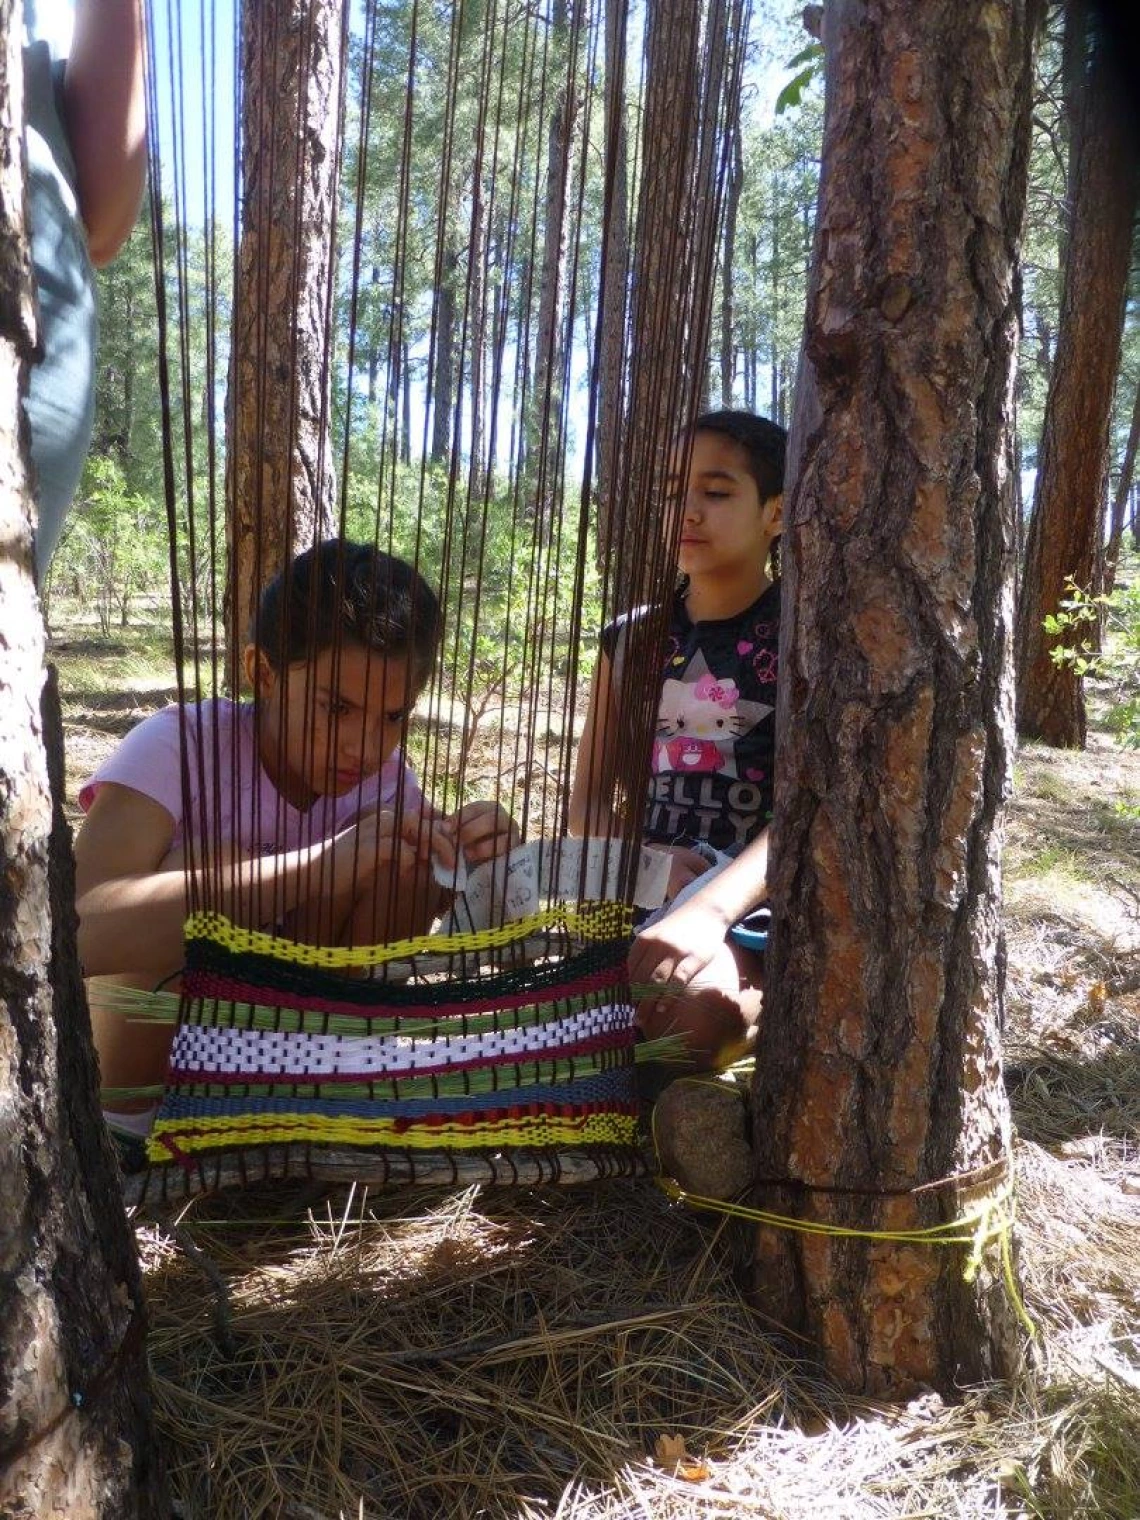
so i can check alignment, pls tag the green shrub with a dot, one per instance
(1102, 641)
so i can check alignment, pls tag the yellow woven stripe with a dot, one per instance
(598, 921)
(258, 1129)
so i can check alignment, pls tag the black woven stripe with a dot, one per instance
(312, 981)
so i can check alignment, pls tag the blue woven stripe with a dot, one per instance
(616, 1086)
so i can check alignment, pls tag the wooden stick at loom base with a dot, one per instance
(877, 1069)
(384, 1169)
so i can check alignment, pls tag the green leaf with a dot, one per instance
(813, 53)
(792, 93)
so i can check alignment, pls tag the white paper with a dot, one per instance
(514, 886)
(453, 877)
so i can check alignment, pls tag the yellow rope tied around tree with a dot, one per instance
(986, 1222)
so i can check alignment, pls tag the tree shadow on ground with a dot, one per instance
(580, 1352)
(1057, 1098)
(446, 1353)
(81, 703)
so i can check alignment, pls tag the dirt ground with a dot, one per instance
(586, 1356)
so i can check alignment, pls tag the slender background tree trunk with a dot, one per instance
(728, 256)
(443, 360)
(1067, 527)
(546, 399)
(615, 271)
(1120, 498)
(280, 489)
(877, 1068)
(76, 1437)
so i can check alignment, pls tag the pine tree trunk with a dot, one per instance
(687, 101)
(280, 488)
(128, 383)
(76, 1437)
(1065, 530)
(477, 337)
(877, 1072)
(614, 274)
(546, 400)
(1120, 499)
(443, 359)
(676, 231)
(727, 288)
(406, 404)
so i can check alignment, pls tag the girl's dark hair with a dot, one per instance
(764, 442)
(354, 593)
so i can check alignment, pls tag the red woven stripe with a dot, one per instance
(206, 984)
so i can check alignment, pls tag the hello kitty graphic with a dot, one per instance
(697, 723)
(699, 720)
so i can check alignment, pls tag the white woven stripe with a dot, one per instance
(257, 1052)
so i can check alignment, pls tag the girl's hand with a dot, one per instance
(672, 953)
(481, 830)
(374, 841)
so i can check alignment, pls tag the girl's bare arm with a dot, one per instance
(132, 894)
(592, 802)
(106, 120)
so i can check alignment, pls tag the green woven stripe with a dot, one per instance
(163, 1007)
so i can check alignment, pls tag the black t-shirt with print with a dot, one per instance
(714, 750)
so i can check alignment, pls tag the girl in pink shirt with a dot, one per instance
(295, 812)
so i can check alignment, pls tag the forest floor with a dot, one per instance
(588, 1353)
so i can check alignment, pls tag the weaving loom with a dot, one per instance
(474, 259)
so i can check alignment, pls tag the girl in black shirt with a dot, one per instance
(709, 799)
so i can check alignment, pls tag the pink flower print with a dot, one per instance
(744, 647)
(723, 692)
(764, 664)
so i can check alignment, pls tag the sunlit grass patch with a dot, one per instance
(147, 666)
(1052, 866)
(137, 658)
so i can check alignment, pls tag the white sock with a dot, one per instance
(131, 1124)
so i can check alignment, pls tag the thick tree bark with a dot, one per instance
(75, 1429)
(1066, 527)
(280, 488)
(877, 1068)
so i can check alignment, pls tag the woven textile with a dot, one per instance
(292, 1047)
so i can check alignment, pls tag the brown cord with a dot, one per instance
(82, 1399)
(991, 1172)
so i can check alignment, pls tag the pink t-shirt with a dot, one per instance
(231, 798)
